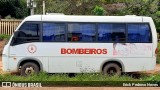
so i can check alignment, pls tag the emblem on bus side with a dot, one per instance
(32, 48)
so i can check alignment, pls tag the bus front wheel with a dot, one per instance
(112, 69)
(29, 68)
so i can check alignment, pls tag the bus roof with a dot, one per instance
(80, 18)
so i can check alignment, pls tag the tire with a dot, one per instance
(112, 69)
(29, 68)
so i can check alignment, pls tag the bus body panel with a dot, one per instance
(154, 33)
(14, 62)
(54, 61)
(68, 57)
(83, 49)
(102, 19)
(91, 65)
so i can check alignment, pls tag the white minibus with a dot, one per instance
(81, 44)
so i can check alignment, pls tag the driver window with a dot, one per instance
(28, 32)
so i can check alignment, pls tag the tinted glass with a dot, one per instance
(53, 32)
(30, 29)
(28, 32)
(139, 33)
(111, 32)
(78, 32)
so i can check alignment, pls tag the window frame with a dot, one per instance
(113, 41)
(151, 38)
(40, 23)
(95, 23)
(96, 31)
(65, 37)
(31, 22)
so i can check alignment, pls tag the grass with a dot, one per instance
(42, 76)
(4, 37)
(80, 79)
(63, 77)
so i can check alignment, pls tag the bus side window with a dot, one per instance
(54, 32)
(81, 32)
(139, 33)
(112, 32)
(119, 32)
(28, 32)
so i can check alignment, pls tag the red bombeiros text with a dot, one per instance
(83, 51)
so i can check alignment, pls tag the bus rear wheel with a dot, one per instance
(112, 69)
(29, 68)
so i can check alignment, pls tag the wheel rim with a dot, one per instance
(29, 70)
(112, 71)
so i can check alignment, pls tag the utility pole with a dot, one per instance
(31, 4)
(44, 7)
(32, 11)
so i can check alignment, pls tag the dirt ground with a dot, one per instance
(2, 43)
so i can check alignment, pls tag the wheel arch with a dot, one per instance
(34, 60)
(117, 61)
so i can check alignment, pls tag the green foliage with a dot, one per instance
(52, 6)
(21, 9)
(99, 7)
(64, 77)
(158, 13)
(68, 7)
(14, 8)
(3, 36)
(143, 8)
(98, 10)
(116, 1)
(157, 23)
(80, 79)
(137, 7)
(6, 7)
(9, 17)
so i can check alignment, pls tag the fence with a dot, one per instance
(8, 26)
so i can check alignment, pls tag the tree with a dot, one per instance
(52, 6)
(103, 7)
(68, 7)
(21, 9)
(143, 8)
(6, 7)
(98, 10)
(14, 8)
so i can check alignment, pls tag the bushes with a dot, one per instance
(4, 37)
(3, 40)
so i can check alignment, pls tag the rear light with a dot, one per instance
(156, 51)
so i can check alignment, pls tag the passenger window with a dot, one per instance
(54, 32)
(111, 32)
(139, 33)
(81, 32)
(28, 32)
